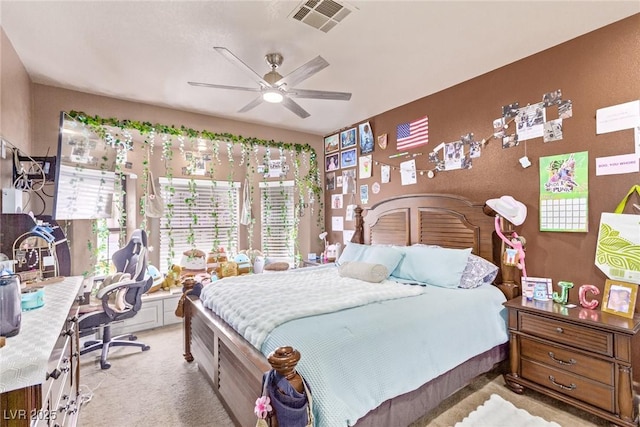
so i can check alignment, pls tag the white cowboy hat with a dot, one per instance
(509, 208)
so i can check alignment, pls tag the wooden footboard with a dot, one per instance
(232, 366)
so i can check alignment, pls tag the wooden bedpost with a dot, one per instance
(358, 235)
(187, 330)
(284, 360)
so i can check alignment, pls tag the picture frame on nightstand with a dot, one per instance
(537, 288)
(619, 298)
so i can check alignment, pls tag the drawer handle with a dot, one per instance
(560, 361)
(559, 330)
(571, 386)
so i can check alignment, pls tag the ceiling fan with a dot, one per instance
(275, 88)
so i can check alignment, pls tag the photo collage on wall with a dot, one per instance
(348, 158)
(533, 121)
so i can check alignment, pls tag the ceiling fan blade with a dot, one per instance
(304, 72)
(238, 62)
(295, 107)
(319, 94)
(211, 85)
(251, 105)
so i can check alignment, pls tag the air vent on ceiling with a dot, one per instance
(320, 14)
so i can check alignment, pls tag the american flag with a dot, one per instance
(414, 134)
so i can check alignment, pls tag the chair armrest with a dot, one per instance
(108, 290)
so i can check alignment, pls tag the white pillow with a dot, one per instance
(374, 273)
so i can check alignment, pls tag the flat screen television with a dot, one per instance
(85, 181)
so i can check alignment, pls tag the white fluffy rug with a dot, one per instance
(497, 412)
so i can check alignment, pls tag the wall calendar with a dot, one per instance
(564, 192)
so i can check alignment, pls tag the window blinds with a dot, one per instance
(84, 193)
(210, 209)
(276, 206)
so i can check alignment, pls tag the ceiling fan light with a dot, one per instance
(272, 96)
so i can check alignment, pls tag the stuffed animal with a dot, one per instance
(172, 278)
(227, 269)
(244, 264)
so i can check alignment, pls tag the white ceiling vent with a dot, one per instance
(320, 14)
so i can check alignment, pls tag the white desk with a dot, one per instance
(27, 358)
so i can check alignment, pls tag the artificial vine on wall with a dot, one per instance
(307, 184)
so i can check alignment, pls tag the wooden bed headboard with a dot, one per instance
(432, 219)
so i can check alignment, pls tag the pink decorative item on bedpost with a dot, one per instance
(509, 213)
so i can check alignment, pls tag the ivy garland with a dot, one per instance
(310, 184)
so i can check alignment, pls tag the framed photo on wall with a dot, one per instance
(348, 158)
(348, 138)
(619, 298)
(332, 162)
(331, 144)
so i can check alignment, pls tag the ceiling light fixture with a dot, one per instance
(272, 96)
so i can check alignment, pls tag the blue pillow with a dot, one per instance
(351, 252)
(388, 256)
(432, 265)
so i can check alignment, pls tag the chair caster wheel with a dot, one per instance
(105, 365)
(145, 348)
(132, 337)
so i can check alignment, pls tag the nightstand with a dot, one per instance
(586, 358)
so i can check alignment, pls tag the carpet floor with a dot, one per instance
(158, 387)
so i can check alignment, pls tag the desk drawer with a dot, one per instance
(567, 333)
(567, 360)
(569, 384)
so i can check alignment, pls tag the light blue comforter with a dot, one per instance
(357, 358)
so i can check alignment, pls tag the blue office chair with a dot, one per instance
(121, 297)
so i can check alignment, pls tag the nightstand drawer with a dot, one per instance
(569, 384)
(567, 333)
(567, 360)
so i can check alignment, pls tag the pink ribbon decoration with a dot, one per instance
(515, 243)
(263, 407)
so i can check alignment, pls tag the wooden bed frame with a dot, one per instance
(234, 367)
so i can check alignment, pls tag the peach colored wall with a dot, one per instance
(596, 70)
(15, 105)
(50, 101)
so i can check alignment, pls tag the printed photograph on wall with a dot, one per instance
(332, 162)
(348, 158)
(385, 174)
(530, 121)
(331, 144)
(366, 138)
(475, 149)
(552, 130)
(510, 141)
(336, 201)
(552, 98)
(349, 181)
(498, 128)
(565, 109)
(510, 110)
(453, 155)
(364, 194)
(348, 138)
(331, 181)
